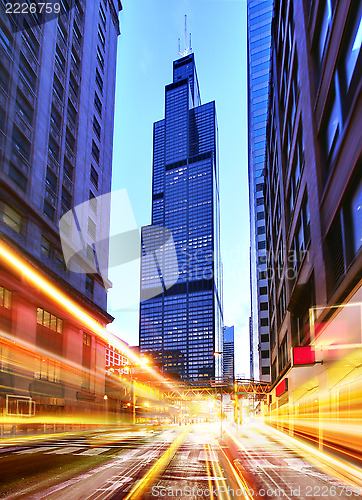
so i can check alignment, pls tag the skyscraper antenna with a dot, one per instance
(187, 49)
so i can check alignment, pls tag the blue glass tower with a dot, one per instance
(181, 327)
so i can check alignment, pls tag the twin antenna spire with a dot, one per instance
(187, 50)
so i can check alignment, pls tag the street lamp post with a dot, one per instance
(133, 401)
(221, 396)
(105, 397)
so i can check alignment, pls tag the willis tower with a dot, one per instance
(181, 325)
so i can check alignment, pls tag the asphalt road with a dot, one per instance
(255, 462)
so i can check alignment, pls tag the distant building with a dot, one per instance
(313, 191)
(229, 353)
(259, 18)
(181, 327)
(57, 91)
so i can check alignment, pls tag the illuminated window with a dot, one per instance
(87, 339)
(5, 298)
(49, 320)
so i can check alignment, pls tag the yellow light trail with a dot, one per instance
(219, 474)
(20, 266)
(208, 475)
(143, 484)
(238, 477)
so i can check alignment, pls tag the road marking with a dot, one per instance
(209, 456)
(93, 451)
(36, 450)
(64, 451)
(148, 454)
(185, 455)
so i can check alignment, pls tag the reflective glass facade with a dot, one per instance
(182, 326)
(259, 56)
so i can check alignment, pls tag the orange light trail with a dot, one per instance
(20, 266)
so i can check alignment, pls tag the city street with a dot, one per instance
(252, 462)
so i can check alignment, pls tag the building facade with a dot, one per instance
(57, 91)
(259, 17)
(313, 185)
(181, 327)
(229, 353)
(56, 129)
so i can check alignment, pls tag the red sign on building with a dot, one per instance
(303, 356)
(281, 388)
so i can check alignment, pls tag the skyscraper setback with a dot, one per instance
(182, 326)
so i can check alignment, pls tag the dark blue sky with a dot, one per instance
(146, 48)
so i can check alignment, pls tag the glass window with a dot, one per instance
(59, 260)
(5, 298)
(94, 177)
(60, 59)
(24, 108)
(75, 58)
(68, 169)
(101, 36)
(18, 177)
(97, 103)
(354, 48)
(69, 140)
(49, 210)
(325, 27)
(91, 227)
(89, 284)
(334, 119)
(356, 207)
(73, 85)
(102, 15)
(58, 87)
(21, 144)
(96, 127)
(62, 31)
(99, 80)
(27, 72)
(4, 78)
(6, 40)
(95, 151)
(12, 218)
(92, 202)
(55, 118)
(72, 113)
(100, 58)
(45, 247)
(76, 34)
(66, 199)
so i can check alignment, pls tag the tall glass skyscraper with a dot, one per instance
(259, 56)
(182, 326)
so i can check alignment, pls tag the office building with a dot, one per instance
(57, 92)
(57, 110)
(313, 186)
(229, 353)
(259, 17)
(181, 327)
